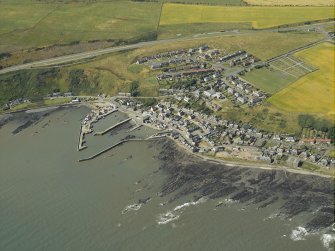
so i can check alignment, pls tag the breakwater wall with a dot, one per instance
(115, 145)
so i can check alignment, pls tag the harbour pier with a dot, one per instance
(112, 127)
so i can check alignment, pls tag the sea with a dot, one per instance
(51, 201)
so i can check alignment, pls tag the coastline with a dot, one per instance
(289, 194)
(245, 164)
(230, 163)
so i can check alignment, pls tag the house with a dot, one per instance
(276, 137)
(230, 90)
(324, 162)
(159, 65)
(290, 139)
(141, 60)
(208, 78)
(218, 149)
(254, 100)
(68, 94)
(124, 94)
(325, 141)
(156, 66)
(241, 99)
(146, 118)
(56, 94)
(75, 100)
(294, 162)
(203, 48)
(218, 95)
(209, 93)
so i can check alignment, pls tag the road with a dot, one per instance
(91, 54)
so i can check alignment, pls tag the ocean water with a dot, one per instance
(50, 201)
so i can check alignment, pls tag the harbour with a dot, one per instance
(73, 208)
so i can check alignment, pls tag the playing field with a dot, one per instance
(260, 17)
(313, 93)
(268, 79)
(291, 2)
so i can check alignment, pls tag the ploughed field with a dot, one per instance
(260, 17)
(314, 92)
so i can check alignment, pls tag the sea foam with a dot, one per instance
(132, 207)
(166, 218)
(328, 240)
(299, 234)
(172, 215)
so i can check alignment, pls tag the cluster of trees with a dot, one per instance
(5, 55)
(80, 84)
(323, 125)
(199, 106)
(32, 85)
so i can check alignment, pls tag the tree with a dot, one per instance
(134, 88)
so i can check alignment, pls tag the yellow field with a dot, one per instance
(291, 2)
(260, 17)
(313, 93)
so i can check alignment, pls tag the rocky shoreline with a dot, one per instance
(291, 194)
(28, 118)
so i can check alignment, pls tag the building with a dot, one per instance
(209, 93)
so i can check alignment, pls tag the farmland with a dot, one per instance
(260, 17)
(34, 25)
(291, 2)
(216, 2)
(313, 93)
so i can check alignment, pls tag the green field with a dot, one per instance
(268, 79)
(313, 93)
(260, 17)
(180, 30)
(29, 25)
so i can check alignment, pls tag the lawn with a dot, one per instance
(260, 17)
(268, 79)
(291, 2)
(29, 25)
(313, 93)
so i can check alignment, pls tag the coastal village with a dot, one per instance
(205, 75)
(193, 84)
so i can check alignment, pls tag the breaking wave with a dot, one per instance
(166, 218)
(299, 234)
(187, 204)
(171, 215)
(328, 240)
(132, 207)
